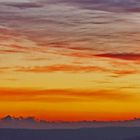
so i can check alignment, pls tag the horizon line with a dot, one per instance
(35, 119)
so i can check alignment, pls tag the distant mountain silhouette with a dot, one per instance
(15, 128)
(112, 133)
(31, 123)
(7, 118)
(10, 118)
(134, 138)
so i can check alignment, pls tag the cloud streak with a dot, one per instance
(106, 5)
(62, 95)
(24, 5)
(62, 68)
(123, 56)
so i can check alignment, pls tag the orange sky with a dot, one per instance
(69, 62)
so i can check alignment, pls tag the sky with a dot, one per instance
(70, 60)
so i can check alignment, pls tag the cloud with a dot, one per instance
(106, 5)
(24, 5)
(6, 33)
(62, 95)
(61, 68)
(126, 72)
(12, 48)
(3, 69)
(123, 56)
(79, 54)
(68, 21)
(120, 73)
(75, 68)
(18, 47)
(11, 51)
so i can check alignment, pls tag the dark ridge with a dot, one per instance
(112, 133)
(134, 138)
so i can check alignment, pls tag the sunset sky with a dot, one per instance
(70, 60)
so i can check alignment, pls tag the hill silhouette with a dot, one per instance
(112, 133)
(134, 138)
(32, 123)
(15, 128)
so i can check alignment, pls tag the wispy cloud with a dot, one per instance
(62, 95)
(62, 68)
(10, 51)
(106, 5)
(74, 69)
(95, 22)
(23, 5)
(123, 56)
(3, 69)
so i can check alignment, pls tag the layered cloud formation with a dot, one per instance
(81, 50)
